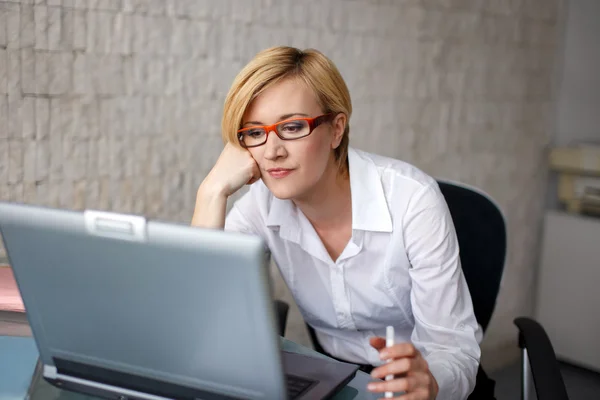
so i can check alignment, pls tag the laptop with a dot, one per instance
(124, 308)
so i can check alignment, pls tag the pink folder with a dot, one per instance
(10, 298)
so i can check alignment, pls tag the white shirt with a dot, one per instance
(401, 267)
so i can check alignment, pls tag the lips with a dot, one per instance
(279, 173)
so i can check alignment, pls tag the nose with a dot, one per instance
(274, 147)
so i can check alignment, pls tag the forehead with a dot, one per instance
(286, 97)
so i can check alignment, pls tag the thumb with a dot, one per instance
(253, 180)
(377, 342)
(255, 175)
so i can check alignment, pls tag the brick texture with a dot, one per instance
(115, 104)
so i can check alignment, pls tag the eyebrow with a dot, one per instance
(282, 118)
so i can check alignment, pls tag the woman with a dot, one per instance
(362, 241)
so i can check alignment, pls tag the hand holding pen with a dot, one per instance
(405, 371)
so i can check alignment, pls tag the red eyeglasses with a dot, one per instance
(290, 129)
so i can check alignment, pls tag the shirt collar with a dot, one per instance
(369, 205)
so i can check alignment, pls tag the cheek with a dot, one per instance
(315, 155)
(257, 154)
(314, 152)
(319, 145)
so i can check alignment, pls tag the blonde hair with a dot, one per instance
(275, 64)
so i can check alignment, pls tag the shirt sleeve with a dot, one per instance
(445, 326)
(245, 217)
(242, 217)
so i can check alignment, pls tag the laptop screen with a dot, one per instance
(182, 308)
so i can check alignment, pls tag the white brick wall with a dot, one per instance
(116, 105)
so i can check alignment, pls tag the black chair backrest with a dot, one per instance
(481, 232)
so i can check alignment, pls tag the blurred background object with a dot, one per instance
(116, 104)
(579, 177)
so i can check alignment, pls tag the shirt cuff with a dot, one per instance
(445, 378)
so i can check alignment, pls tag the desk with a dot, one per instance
(19, 356)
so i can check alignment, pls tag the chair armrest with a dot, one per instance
(281, 310)
(547, 378)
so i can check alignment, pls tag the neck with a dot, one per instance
(329, 203)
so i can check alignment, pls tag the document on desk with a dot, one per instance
(13, 321)
(10, 298)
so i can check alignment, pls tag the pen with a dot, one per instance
(389, 342)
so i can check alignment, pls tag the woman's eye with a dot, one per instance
(292, 127)
(255, 133)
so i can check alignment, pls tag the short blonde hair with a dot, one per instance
(275, 64)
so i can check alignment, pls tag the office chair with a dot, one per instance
(481, 231)
(281, 313)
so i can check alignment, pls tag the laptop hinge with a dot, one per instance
(50, 371)
(114, 225)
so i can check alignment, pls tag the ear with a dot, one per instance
(339, 125)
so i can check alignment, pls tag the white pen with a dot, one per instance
(389, 342)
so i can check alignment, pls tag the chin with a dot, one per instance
(284, 193)
(283, 190)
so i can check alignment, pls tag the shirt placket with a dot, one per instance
(341, 301)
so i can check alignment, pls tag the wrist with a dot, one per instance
(209, 211)
(209, 191)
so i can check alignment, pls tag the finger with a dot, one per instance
(406, 384)
(253, 179)
(255, 174)
(410, 396)
(399, 350)
(416, 395)
(407, 396)
(399, 366)
(377, 342)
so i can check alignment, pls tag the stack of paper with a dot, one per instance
(10, 298)
(13, 321)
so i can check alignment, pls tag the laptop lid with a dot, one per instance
(157, 308)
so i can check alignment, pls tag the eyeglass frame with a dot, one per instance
(313, 123)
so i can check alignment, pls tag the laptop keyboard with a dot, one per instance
(297, 386)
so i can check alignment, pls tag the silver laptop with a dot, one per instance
(123, 308)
